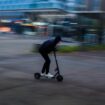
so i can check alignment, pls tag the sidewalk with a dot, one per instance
(17, 45)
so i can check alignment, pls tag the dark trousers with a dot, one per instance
(46, 65)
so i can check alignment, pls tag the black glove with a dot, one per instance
(55, 49)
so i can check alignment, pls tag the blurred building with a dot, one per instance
(33, 6)
(94, 9)
(96, 5)
(40, 7)
(76, 5)
(11, 15)
(87, 11)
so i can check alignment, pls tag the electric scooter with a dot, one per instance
(57, 75)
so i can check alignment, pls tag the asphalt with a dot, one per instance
(84, 80)
(83, 72)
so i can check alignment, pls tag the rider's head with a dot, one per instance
(57, 39)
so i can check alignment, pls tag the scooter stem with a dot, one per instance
(57, 68)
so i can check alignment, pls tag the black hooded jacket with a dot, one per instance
(48, 46)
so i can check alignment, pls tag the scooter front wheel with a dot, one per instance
(59, 78)
(37, 75)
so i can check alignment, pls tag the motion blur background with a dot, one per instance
(75, 19)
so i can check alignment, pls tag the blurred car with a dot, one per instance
(5, 29)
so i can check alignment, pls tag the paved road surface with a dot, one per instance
(84, 81)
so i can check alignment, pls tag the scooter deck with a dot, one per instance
(47, 77)
(57, 77)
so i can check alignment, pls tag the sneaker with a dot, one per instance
(49, 75)
(43, 74)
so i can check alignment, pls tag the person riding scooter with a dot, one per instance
(46, 48)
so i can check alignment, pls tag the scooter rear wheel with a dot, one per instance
(37, 75)
(59, 78)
